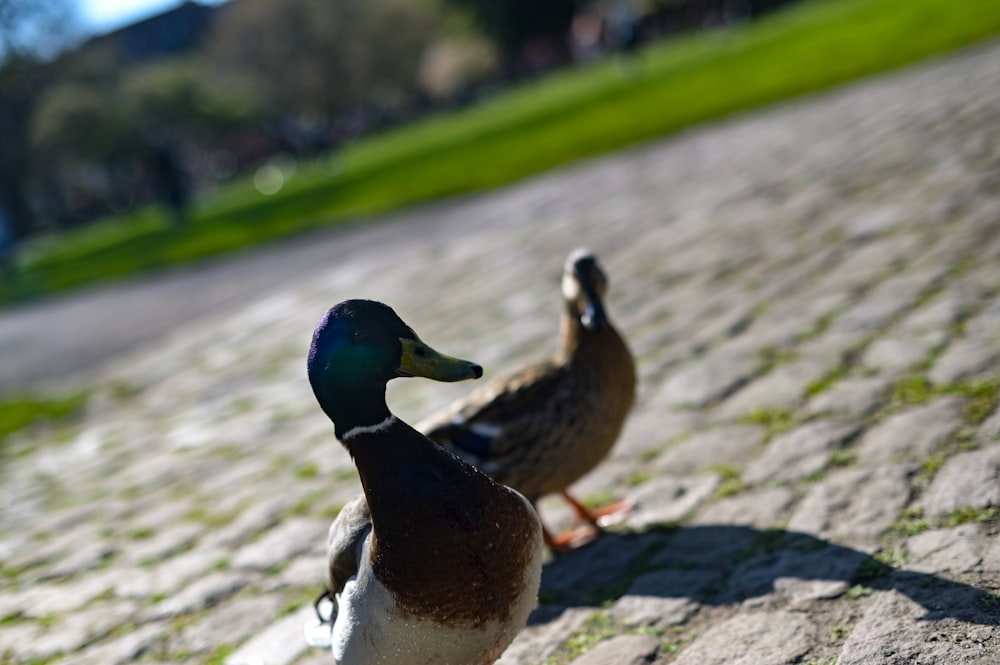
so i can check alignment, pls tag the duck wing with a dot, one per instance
(495, 426)
(345, 543)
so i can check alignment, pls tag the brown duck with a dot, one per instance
(540, 429)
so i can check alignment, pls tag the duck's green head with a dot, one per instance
(584, 285)
(358, 346)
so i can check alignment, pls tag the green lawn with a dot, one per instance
(16, 413)
(566, 117)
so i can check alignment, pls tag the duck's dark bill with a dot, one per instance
(418, 359)
(594, 315)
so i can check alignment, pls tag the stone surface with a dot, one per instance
(281, 544)
(711, 547)
(961, 549)
(757, 638)
(763, 508)
(540, 639)
(646, 431)
(911, 435)
(165, 580)
(622, 650)
(232, 622)
(894, 355)
(719, 446)
(280, 643)
(73, 631)
(785, 268)
(990, 429)
(587, 573)
(854, 505)
(203, 593)
(798, 454)
(662, 598)
(706, 380)
(670, 499)
(794, 576)
(970, 479)
(967, 359)
(892, 631)
(851, 398)
(171, 541)
(122, 649)
(783, 388)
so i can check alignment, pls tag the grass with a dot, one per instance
(770, 357)
(858, 591)
(595, 629)
(912, 391)
(775, 421)
(730, 481)
(637, 478)
(912, 521)
(565, 117)
(17, 413)
(826, 382)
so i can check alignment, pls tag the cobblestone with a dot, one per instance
(798, 454)
(281, 544)
(811, 293)
(622, 650)
(856, 505)
(759, 638)
(970, 479)
(730, 445)
(891, 630)
(960, 549)
(853, 398)
(912, 434)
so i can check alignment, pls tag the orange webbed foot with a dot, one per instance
(603, 516)
(570, 539)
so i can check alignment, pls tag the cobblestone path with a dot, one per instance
(812, 296)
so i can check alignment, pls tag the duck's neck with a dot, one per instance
(357, 407)
(398, 467)
(572, 333)
(600, 346)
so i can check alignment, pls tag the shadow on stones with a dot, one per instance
(728, 565)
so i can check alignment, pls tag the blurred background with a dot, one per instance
(810, 293)
(144, 112)
(144, 134)
(101, 117)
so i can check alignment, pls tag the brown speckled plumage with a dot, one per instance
(550, 423)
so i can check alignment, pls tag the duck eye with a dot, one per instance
(359, 335)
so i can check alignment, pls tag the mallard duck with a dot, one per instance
(540, 429)
(435, 563)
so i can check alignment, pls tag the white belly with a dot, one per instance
(370, 630)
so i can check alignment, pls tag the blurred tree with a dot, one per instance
(454, 64)
(516, 24)
(76, 119)
(392, 71)
(176, 96)
(30, 30)
(102, 154)
(73, 115)
(318, 58)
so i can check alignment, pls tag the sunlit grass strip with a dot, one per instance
(17, 413)
(563, 118)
